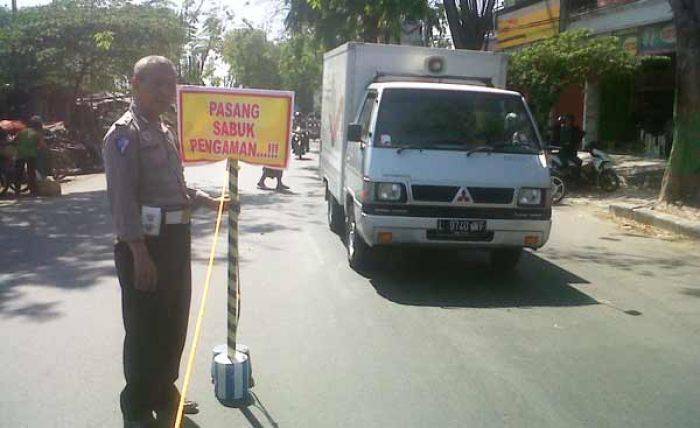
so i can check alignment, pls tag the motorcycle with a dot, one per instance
(597, 170)
(300, 142)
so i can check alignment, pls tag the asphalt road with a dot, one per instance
(600, 328)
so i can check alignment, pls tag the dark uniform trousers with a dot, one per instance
(155, 324)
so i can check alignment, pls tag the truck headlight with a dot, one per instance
(390, 192)
(530, 196)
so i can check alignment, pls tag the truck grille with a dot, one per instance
(480, 195)
(491, 195)
(434, 193)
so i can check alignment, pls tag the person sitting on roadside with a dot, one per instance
(29, 141)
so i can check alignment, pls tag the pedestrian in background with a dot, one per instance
(272, 173)
(29, 141)
(151, 208)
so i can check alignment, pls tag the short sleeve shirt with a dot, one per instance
(143, 168)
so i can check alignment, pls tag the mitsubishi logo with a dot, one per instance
(462, 197)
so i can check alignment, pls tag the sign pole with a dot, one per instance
(233, 297)
(231, 368)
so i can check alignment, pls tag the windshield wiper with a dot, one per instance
(487, 149)
(410, 147)
(495, 147)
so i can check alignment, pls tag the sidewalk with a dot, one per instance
(679, 221)
(639, 205)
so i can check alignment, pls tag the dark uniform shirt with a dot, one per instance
(143, 168)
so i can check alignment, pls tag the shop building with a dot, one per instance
(629, 114)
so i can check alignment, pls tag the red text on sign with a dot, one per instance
(234, 129)
(240, 110)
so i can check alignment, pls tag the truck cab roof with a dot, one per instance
(380, 86)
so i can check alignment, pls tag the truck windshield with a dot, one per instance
(454, 120)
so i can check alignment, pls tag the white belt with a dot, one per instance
(177, 217)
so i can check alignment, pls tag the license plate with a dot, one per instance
(461, 227)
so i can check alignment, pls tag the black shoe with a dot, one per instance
(191, 408)
(168, 419)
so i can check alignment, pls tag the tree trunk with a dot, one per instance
(469, 24)
(681, 183)
(454, 21)
(370, 32)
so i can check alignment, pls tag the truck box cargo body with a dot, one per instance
(420, 147)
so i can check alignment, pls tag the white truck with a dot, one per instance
(418, 148)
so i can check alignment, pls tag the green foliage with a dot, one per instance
(84, 45)
(253, 60)
(301, 68)
(256, 62)
(204, 41)
(334, 22)
(543, 70)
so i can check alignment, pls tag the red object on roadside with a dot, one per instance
(12, 126)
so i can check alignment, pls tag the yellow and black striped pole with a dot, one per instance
(233, 289)
(231, 368)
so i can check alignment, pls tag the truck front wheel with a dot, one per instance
(505, 259)
(358, 250)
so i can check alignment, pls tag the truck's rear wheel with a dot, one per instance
(335, 213)
(358, 250)
(505, 259)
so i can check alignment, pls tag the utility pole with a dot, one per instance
(14, 7)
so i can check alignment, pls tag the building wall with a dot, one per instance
(617, 17)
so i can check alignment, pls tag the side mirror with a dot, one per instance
(355, 132)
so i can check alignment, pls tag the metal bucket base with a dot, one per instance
(232, 378)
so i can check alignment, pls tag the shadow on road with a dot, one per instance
(249, 408)
(52, 242)
(64, 243)
(450, 281)
(643, 263)
(189, 423)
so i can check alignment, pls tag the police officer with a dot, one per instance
(151, 207)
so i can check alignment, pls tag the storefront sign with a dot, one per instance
(658, 39)
(528, 24)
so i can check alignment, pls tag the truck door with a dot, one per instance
(354, 159)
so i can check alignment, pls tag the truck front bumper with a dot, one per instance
(401, 230)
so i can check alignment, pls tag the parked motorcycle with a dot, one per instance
(597, 170)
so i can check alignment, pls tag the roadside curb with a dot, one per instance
(662, 221)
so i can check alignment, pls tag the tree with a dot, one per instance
(204, 40)
(79, 46)
(334, 22)
(294, 64)
(471, 23)
(301, 68)
(253, 60)
(681, 183)
(543, 70)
